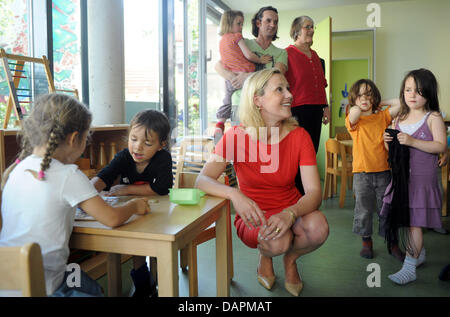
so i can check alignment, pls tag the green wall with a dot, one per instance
(352, 60)
(353, 45)
(344, 73)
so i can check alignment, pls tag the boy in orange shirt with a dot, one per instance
(366, 123)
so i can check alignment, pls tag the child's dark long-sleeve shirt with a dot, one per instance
(158, 173)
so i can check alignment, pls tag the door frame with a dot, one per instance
(374, 46)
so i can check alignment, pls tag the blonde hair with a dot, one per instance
(52, 119)
(226, 21)
(249, 113)
(297, 24)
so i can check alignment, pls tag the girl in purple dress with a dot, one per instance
(422, 129)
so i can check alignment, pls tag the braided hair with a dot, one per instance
(52, 119)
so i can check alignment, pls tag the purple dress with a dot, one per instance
(425, 200)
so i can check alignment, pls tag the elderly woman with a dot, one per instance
(267, 149)
(307, 81)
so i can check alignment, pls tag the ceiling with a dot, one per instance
(251, 6)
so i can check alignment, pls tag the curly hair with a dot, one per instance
(371, 90)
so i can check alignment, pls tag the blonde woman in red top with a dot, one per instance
(267, 150)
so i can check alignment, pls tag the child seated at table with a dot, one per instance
(145, 168)
(43, 187)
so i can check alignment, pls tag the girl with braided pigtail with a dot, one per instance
(51, 147)
(43, 188)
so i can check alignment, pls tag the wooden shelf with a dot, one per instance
(110, 127)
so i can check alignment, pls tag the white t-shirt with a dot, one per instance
(43, 211)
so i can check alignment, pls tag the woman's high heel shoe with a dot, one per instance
(266, 282)
(294, 289)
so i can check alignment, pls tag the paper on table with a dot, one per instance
(81, 215)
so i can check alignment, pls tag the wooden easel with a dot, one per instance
(73, 92)
(14, 75)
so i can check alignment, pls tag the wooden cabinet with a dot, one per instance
(114, 138)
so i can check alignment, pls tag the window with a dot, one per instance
(141, 22)
(14, 39)
(187, 74)
(66, 45)
(216, 84)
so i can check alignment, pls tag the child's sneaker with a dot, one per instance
(144, 285)
(367, 249)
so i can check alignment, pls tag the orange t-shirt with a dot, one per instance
(231, 54)
(369, 153)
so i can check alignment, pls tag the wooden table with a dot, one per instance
(161, 233)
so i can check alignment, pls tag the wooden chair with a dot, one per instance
(21, 268)
(192, 154)
(336, 165)
(345, 136)
(188, 162)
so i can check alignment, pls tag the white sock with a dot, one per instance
(407, 273)
(422, 257)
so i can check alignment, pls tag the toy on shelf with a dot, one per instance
(112, 151)
(101, 161)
